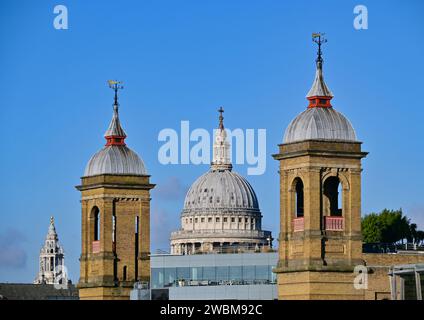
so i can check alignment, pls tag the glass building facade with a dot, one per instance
(168, 277)
(189, 271)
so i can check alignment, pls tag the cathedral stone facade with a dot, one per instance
(221, 211)
(115, 202)
(52, 260)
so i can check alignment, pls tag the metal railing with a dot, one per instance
(196, 283)
(390, 247)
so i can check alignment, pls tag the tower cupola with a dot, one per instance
(115, 135)
(319, 95)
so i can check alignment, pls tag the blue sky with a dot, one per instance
(180, 60)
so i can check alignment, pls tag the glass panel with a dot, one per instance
(410, 287)
(170, 277)
(157, 278)
(221, 273)
(235, 273)
(183, 273)
(249, 273)
(196, 273)
(209, 273)
(273, 275)
(262, 273)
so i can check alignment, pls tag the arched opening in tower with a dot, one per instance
(299, 199)
(96, 230)
(333, 197)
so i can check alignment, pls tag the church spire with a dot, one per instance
(115, 135)
(52, 230)
(221, 147)
(319, 95)
(52, 268)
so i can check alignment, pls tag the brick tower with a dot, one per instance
(115, 202)
(320, 200)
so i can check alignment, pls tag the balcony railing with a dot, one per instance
(298, 224)
(181, 234)
(96, 246)
(334, 223)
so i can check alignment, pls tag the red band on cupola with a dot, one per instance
(319, 102)
(115, 141)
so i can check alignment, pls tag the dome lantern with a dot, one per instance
(319, 95)
(221, 147)
(115, 135)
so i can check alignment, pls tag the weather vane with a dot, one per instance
(319, 39)
(115, 85)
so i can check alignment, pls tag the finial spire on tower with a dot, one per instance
(115, 85)
(319, 39)
(221, 147)
(115, 135)
(319, 95)
(221, 118)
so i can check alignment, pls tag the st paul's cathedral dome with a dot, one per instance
(221, 211)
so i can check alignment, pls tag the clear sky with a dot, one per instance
(180, 60)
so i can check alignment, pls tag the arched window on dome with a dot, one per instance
(299, 198)
(333, 197)
(96, 225)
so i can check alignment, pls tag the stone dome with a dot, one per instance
(115, 159)
(220, 191)
(320, 124)
(221, 211)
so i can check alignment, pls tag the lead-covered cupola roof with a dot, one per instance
(115, 158)
(320, 121)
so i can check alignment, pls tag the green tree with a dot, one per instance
(371, 228)
(420, 237)
(395, 226)
(412, 237)
(390, 226)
